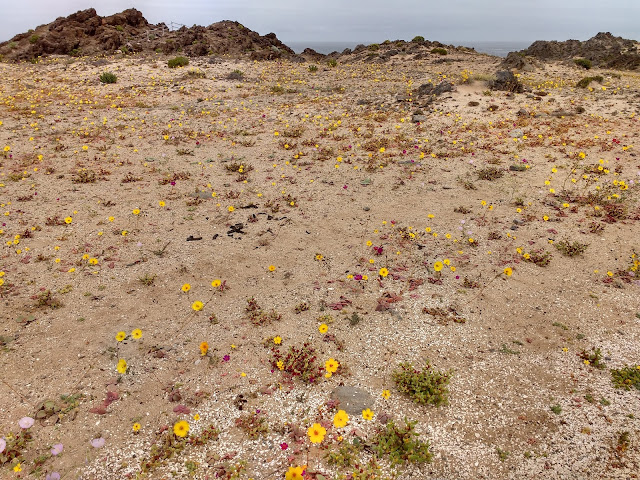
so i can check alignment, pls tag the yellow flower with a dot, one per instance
(68, 220)
(280, 365)
(161, 203)
(17, 468)
(231, 208)
(382, 149)
(340, 419)
(294, 473)
(93, 261)
(386, 394)
(437, 266)
(272, 268)
(369, 243)
(136, 211)
(136, 334)
(122, 366)
(136, 427)
(181, 428)
(383, 272)
(367, 414)
(507, 271)
(319, 257)
(316, 433)
(277, 340)
(197, 305)
(204, 348)
(196, 417)
(186, 287)
(111, 219)
(545, 218)
(331, 365)
(323, 328)
(216, 283)
(120, 336)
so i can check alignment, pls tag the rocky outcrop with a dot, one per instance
(87, 33)
(604, 50)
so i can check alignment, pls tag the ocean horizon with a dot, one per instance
(499, 48)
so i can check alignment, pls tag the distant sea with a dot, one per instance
(497, 48)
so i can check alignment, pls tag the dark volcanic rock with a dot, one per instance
(87, 33)
(604, 50)
(431, 89)
(506, 81)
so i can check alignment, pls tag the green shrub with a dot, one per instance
(584, 83)
(439, 51)
(332, 62)
(120, 28)
(418, 39)
(583, 62)
(75, 52)
(373, 47)
(626, 377)
(313, 68)
(33, 38)
(427, 386)
(12, 45)
(178, 62)
(108, 77)
(401, 444)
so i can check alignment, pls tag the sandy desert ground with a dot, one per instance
(262, 241)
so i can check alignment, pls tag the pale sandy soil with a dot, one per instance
(311, 201)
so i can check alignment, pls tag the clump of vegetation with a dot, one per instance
(401, 444)
(571, 249)
(439, 51)
(374, 47)
(583, 62)
(594, 357)
(197, 73)
(16, 445)
(313, 68)
(541, 257)
(427, 386)
(147, 280)
(557, 409)
(108, 77)
(332, 63)
(490, 173)
(277, 89)
(298, 362)
(418, 39)
(258, 316)
(584, 83)
(345, 456)
(178, 62)
(34, 39)
(626, 377)
(302, 307)
(46, 299)
(236, 75)
(253, 424)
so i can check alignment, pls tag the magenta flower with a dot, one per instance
(26, 422)
(226, 358)
(284, 446)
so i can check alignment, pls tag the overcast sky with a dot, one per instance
(448, 21)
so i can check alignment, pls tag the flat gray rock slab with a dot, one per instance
(353, 400)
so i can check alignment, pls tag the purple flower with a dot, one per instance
(357, 277)
(53, 476)
(3, 444)
(97, 442)
(56, 449)
(26, 422)
(226, 358)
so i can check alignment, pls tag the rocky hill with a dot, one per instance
(604, 50)
(87, 33)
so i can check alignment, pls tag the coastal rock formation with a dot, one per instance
(604, 50)
(87, 33)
